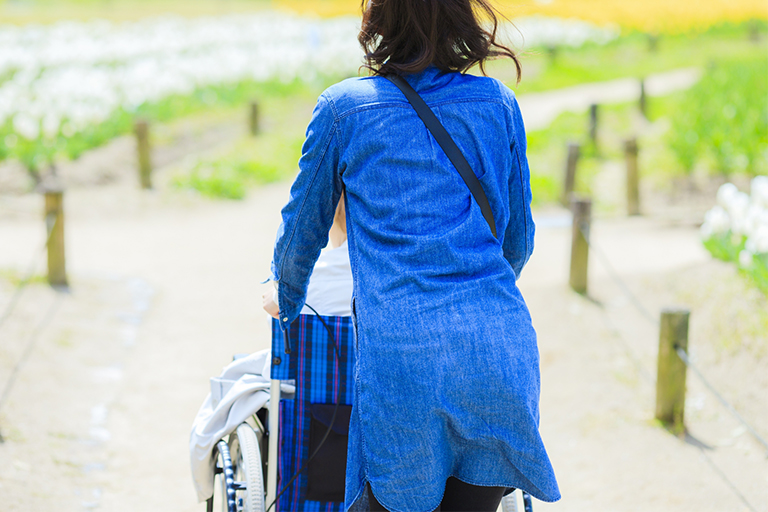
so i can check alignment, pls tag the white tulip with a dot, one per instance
(738, 208)
(752, 218)
(716, 221)
(745, 259)
(758, 242)
(725, 194)
(544, 31)
(26, 126)
(759, 188)
(84, 72)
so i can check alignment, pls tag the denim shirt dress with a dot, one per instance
(447, 365)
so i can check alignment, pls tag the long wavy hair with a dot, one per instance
(407, 36)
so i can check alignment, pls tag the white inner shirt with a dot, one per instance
(330, 285)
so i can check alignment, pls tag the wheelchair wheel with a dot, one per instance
(510, 502)
(247, 465)
(527, 501)
(223, 498)
(238, 480)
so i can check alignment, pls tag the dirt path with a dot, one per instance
(165, 288)
(199, 269)
(162, 299)
(598, 377)
(540, 109)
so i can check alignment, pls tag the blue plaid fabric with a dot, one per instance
(320, 378)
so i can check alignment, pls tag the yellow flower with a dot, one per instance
(662, 16)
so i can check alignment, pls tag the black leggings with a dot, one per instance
(459, 497)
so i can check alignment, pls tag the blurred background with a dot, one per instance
(147, 146)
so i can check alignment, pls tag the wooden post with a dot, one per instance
(571, 163)
(582, 217)
(633, 178)
(254, 118)
(144, 153)
(670, 378)
(593, 125)
(643, 99)
(653, 43)
(552, 51)
(54, 220)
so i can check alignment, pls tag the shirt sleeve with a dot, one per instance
(308, 216)
(519, 233)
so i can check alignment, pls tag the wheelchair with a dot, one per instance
(239, 472)
(291, 454)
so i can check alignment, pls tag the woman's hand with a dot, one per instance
(269, 305)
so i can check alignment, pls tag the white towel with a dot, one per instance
(240, 391)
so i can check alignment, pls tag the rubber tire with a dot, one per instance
(509, 502)
(246, 458)
(219, 498)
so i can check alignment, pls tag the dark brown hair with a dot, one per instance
(406, 36)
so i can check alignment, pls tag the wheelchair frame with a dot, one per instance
(240, 467)
(243, 459)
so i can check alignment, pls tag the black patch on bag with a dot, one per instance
(327, 470)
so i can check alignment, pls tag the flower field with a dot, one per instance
(722, 122)
(69, 86)
(737, 229)
(651, 15)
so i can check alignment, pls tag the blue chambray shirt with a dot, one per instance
(447, 365)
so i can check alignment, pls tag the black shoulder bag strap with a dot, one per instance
(450, 148)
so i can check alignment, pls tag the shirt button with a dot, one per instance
(276, 361)
(285, 319)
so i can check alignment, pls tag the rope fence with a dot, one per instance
(54, 241)
(582, 244)
(683, 355)
(28, 348)
(673, 356)
(681, 352)
(142, 130)
(724, 478)
(16, 212)
(50, 222)
(54, 248)
(620, 283)
(639, 366)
